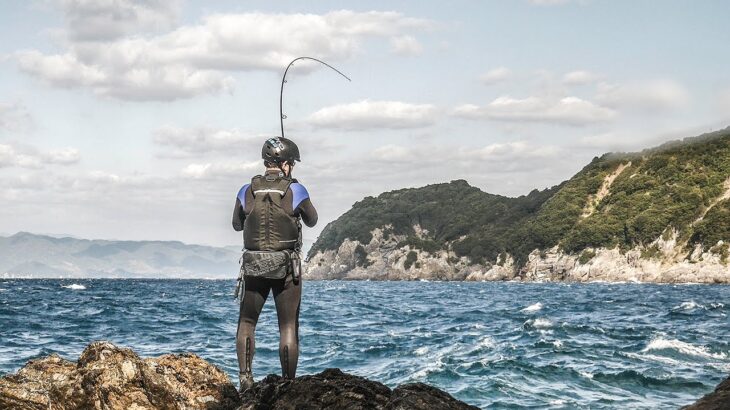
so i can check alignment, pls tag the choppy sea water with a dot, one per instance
(494, 345)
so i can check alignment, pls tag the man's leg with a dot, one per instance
(254, 296)
(288, 296)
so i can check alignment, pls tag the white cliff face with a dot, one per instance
(387, 261)
(611, 265)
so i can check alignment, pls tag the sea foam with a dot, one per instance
(690, 305)
(539, 323)
(682, 347)
(533, 308)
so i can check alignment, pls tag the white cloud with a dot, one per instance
(154, 82)
(14, 117)
(107, 19)
(26, 156)
(514, 150)
(579, 77)
(438, 155)
(496, 75)
(64, 156)
(217, 170)
(391, 152)
(567, 110)
(196, 141)
(655, 95)
(366, 114)
(192, 59)
(405, 46)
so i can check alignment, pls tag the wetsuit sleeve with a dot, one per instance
(239, 215)
(308, 213)
(303, 205)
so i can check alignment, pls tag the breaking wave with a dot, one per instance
(660, 343)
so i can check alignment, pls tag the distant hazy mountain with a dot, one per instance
(29, 255)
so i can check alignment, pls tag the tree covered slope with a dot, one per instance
(619, 200)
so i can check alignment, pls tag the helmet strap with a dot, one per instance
(281, 168)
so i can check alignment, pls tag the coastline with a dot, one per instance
(383, 259)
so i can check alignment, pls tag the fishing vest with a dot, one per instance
(268, 227)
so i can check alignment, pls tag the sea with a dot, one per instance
(490, 344)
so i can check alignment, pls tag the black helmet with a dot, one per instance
(279, 149)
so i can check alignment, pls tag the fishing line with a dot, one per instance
(283, 81)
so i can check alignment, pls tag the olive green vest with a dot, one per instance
(268, 227)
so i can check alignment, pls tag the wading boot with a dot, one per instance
(245, 380)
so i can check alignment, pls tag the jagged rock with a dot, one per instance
(110, 377)
(547, 265)
(719, 399)
(333, 389)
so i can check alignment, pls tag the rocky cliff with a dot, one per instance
(110, 378)
(659, 215)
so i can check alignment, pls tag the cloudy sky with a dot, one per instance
(141, 119)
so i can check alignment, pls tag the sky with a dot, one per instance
(140, 120)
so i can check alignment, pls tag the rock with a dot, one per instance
(719, 399)
(110, 377)
(385, 261)
(333, 389)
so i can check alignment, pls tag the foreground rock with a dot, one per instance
(333, 389)
(109, 377)
(717, 400)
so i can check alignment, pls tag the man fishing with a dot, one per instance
(269, 210)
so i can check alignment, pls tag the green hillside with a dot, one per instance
(619, 199)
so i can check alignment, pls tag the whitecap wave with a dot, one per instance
(421, 351)
(431, 367)
(682, 347)
(533, 308)
(486, 342)
(539, 323)
(661, 359)
(688, 305)
(74, 286)
(718, 305)
(587, 375)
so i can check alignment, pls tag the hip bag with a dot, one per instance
(266, 264)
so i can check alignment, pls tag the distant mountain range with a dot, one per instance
(32, 256)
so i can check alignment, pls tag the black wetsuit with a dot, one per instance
(287, 295)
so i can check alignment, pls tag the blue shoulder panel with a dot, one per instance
(300, 194)
(242, 195)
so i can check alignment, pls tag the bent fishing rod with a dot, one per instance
(282, 117)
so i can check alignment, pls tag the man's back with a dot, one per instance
(267, 210)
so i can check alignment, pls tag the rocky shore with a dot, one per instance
(719, 399)
(110, 377)
(383, 259)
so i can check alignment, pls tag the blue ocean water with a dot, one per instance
(494, 345)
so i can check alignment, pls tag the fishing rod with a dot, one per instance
(283, 80)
